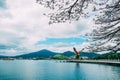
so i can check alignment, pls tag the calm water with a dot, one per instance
(52, 70)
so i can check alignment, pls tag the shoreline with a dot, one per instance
(110, 62)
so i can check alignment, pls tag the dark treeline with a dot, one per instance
(109, 56)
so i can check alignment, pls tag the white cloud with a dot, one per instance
(62, 47)
(22, 25)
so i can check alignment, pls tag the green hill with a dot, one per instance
(109, 56)
(46, 54)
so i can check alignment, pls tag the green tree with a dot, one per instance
(60, 57)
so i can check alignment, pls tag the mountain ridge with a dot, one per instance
(44, 53)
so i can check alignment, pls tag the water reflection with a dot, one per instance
(50, 70)
(77, 71)
(96, 72)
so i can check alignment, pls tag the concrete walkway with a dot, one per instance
(111, 62)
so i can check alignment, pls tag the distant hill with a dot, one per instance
(42, 53)
(3, 56)
(68, 53)
(88, 54)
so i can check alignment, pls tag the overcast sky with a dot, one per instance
(24, 29)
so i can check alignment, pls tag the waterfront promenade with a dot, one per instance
(111, 62)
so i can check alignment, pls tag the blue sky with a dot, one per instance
(24, 29)
(2, 4)
(63, 40)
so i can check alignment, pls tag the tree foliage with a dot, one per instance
(108, 56)
(107, 19)
(65, 10)
(106, 35)
(60, 57)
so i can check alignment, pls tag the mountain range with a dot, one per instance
(47, 54)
